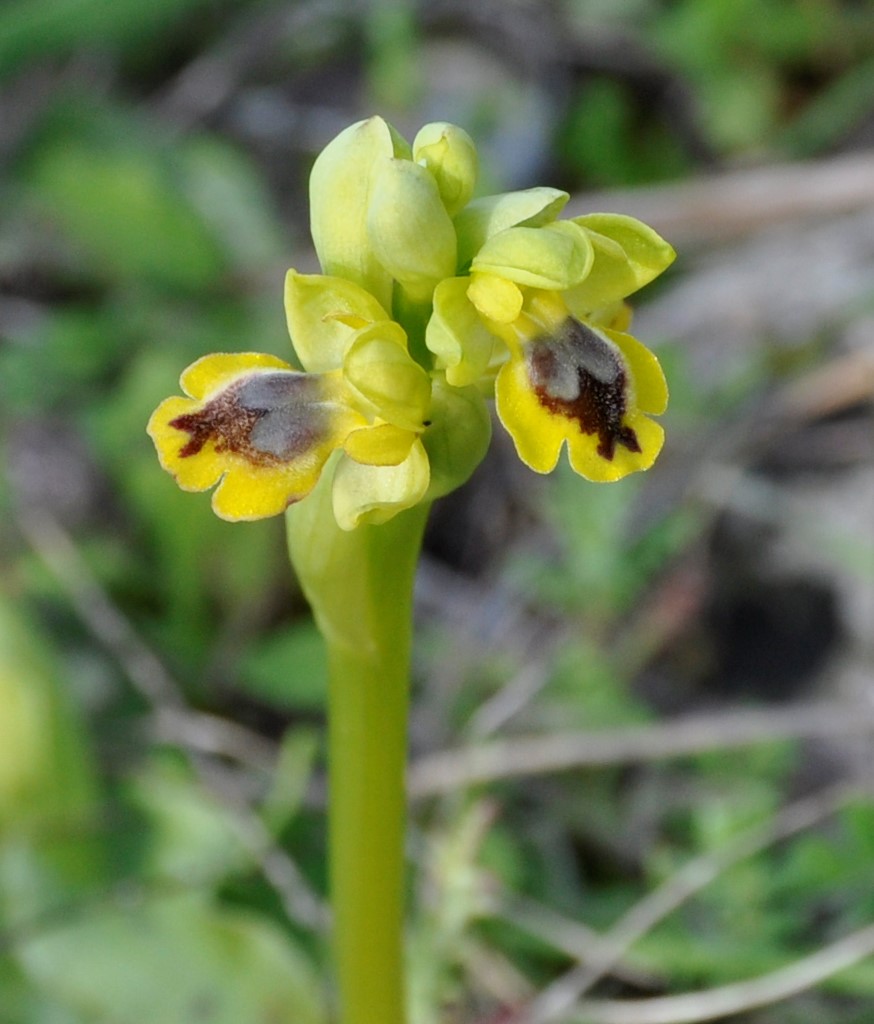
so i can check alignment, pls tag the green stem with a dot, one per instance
(360, 586)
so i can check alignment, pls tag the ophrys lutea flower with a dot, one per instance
(429, 302)
(542, 306)
(263, 431)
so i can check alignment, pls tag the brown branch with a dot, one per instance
(742, 202)
(738, 997)
(606, 950)
(537, 755)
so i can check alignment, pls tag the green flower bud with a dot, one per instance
(340, 188)
(448, 153)
(409, 230)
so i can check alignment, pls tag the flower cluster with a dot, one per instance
(429, 302)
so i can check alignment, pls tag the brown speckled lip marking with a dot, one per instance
(578, 375)
(267, 418)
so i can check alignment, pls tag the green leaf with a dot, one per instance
(288, 669)
(174, 961)
(124, 210)
(31, 28)
(294, 765)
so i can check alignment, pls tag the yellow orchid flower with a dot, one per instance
(430, 301)
(552, 292)
(263, 430)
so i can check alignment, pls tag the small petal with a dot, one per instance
(373, 494)
(382, 445)
(381, 370)
(556, 256)
(323, 314)
(340, 188)
(495, 297)
(486, 216)
(456, 334)
(409, 230)
(449, 155)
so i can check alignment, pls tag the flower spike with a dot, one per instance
(429, 301)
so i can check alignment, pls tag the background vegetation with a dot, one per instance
(641, 738)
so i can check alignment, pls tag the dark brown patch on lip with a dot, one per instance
(579, 359)
(265, 418)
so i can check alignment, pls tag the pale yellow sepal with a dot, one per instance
(456, 334)
(323, 314)
(484, 217)
(374, 494)
(341, 183)
(628, 255)
(449, 155)
(556, 256)
(409, 230)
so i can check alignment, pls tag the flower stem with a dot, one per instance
(360, 586)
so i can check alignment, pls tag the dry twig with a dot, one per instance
(712, 1004)
(606, 950)
(741, 202)
(536, 755)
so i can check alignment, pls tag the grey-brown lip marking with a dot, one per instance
(577, 374)
(267, 418)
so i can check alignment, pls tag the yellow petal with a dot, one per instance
(457, 335)
(379, 367)
(556, 256)
(246, 494)
(191, 474)
(648, 380)
(212, 372)
(449, 154)
(382, 445)
(585, 460)
(537, 434)
(488, 215)
(340, 189)
(373, 494)
(495, 297)
(408, 228)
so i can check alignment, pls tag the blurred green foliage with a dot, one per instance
(130, 245)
